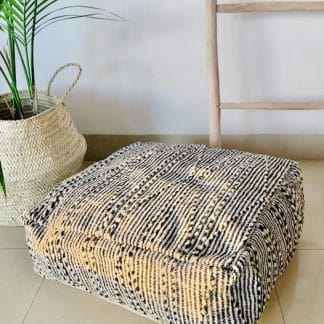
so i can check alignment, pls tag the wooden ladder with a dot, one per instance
(215, 103)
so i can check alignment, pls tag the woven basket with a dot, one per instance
(38, 152)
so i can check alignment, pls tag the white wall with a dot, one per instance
(147, 75)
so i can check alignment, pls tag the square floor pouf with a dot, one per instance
(178, 233)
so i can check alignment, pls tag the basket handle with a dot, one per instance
(50, 83)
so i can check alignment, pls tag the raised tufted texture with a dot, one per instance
(179, 233)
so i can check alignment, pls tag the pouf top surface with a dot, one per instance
(189, 202)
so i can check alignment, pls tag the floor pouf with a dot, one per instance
(178, 233)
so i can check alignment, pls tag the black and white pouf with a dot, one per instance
(178, 233)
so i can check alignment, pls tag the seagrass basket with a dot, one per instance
(38, 152)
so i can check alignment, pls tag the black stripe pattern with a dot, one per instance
(179, 233)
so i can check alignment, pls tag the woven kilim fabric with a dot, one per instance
(178, 233)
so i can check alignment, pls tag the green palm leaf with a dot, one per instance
(25, 19)
(2, 181)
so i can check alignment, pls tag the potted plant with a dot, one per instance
(39, 144)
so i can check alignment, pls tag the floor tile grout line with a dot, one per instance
(33, 300)
(310, 250)
(281, 310)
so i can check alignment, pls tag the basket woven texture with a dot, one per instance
(36, 154)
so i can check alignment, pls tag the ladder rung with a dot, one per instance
(273, 105)
(271, 6)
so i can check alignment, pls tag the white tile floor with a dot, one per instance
(298, 298)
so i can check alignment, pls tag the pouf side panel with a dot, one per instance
(270, 247)
(151, 284)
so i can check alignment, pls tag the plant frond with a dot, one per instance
(23, 20)
(2, 181)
